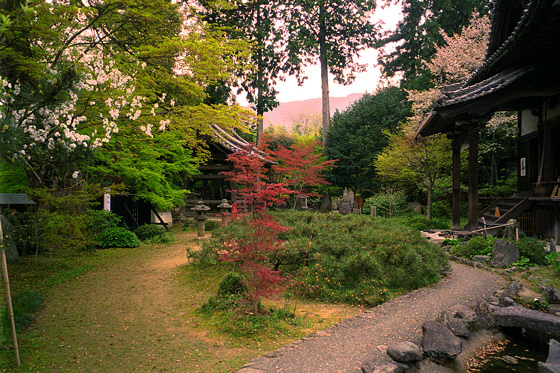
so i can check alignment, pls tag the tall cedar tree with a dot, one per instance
(332, 32)
(252, 253)
(417, 35)
(300, 167)
(258, 21)
(357, 135)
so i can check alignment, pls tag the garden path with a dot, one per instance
(345, 346)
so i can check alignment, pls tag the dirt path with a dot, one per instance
(344, 347)
(127, 316)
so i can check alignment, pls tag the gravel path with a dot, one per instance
(345, 346)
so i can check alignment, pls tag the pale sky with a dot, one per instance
(365, 82)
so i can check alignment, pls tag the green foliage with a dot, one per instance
(474, 246)
(420, 222)
(60, 224)
(357, 136)
(441, 209)
(450, 242)
(231, 284)
(149, 231)
(523, 262)
(420, 32)
(12, 177)
(532, 249)
(553, 261)
(534, 304)
(100, 220)
(388, 204)
(25, 304)
(352, 258)
(117, 237)
(209, 226)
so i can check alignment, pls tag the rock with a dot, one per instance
(459, 328)
(404, 352)
(484, 315)
(552, 364)
(382, 367)
(552, 295)
(520, 317)
(427, 366)
(510, 359)
(504, 253)
(12, 254)
(460, 319)
(512, 289)
(548, 368)
(439, 341)
(507, 302)
(481, 258)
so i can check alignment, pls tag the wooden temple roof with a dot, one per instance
(521, 66)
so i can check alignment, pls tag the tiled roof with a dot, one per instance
(15, 199)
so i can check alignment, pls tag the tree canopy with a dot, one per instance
(331, 32)
(358, 134)
(84, 74)
(420, 32)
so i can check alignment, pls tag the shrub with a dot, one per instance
(474, 246)
(148, 231)
(24, 305)
(117, 237)
(532, 249)
(99, 220)
(351, 258)
(388, 204)
(420, 222)
(441, 209)
(231, 284)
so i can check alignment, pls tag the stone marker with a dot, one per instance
(552, 364)
(504, 253)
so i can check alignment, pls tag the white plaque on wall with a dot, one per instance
(523, 167)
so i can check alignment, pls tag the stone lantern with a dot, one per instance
(201, 217)
(224, 208)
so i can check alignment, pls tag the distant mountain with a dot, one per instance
(287, 111)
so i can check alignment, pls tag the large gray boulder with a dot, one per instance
(552, 364)
(520, 317)
(404, 352)
(484, 315)
(552, 295)
(504, 253)
(438, 341)
(460, 319)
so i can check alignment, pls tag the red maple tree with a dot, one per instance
(301, 166)
(251, 252)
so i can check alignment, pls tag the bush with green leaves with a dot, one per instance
(388, 204)
(532, 249)
(421, 223)
(231, 284)
(99, 220)
(474, 246)
(117, 237)
(149, 231)
(209, 226)
(24, 305)
(345, 258)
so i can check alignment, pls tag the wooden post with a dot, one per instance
(8, 296)
(473, 179)
(456, 149)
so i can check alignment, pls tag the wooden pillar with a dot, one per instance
(473, 179)
(456, 156)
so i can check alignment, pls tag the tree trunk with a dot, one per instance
(324, 73)
(430, 193)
